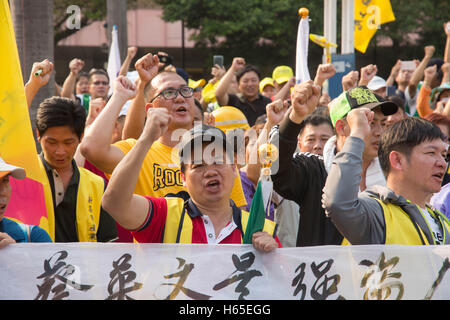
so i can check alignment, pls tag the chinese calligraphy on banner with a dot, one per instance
(227, 272)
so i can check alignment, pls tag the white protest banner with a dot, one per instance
(85, 271)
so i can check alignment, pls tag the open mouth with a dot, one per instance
(181, 109)
(212, 185)
(438, 175)
(3, 207)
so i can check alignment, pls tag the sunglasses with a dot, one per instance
(97, 83)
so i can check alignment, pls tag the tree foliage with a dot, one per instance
(265, 31)
(260, 30)
(417, 23)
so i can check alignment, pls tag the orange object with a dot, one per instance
(303, 12)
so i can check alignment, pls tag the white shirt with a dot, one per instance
(374, 174)
(435, 226)
(211, 233)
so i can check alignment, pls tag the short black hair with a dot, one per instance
(98, 71)
(58, 111)
(247, 68)
(82, 74)
(199, 106)
(399, 101)
(439, 119)
(438, 62)
(403, 136)
(315, 119)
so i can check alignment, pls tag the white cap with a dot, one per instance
(16, 172)
(376, 83)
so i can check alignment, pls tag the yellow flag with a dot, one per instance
(17, 145)
(369, 15)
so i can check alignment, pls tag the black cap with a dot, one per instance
(200, 135)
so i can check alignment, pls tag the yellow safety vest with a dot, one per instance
(178, 228)
(400, 229)
(89, 197)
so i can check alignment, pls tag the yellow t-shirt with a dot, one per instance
(161, 174)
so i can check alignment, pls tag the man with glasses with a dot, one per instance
(98, 84)
(160, 173)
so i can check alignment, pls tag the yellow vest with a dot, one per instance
(178, 228)
(400, 229)
(89, 197)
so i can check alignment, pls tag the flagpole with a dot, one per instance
(301, 65)
(348, 26)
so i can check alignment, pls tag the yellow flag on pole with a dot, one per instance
(369, 15)
(17, 145)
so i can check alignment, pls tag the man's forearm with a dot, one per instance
(125, 66)
(97, 139)
(283, 92)
(417, 76)
(118, 196)
(286, 178)
(447, 50)
(223, 86)
(30, 92)
(135, 119)
(68, 87)
(354, 217)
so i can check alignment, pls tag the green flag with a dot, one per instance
(260, 204)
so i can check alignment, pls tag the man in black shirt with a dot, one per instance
(75, 213)
(248, 100)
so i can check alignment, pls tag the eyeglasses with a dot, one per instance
(172, 93)
(97, 83)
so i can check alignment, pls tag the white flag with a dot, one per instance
(114, 63)
(301, 66)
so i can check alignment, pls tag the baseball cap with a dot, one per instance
(356, 98)
(198, 135)
(16, 172)
(182, 73)
(264, 82)
(282, 74)
(196, 84)
(376, 83)
(434, 96)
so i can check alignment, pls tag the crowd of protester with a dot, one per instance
(370, 166)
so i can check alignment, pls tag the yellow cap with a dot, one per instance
(228, 118)
(281, 74)
(209, 92)
(195, 84)
(264, 82)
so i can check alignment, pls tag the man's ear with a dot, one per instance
(396, 160)
(38, 136)
(341, 128)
